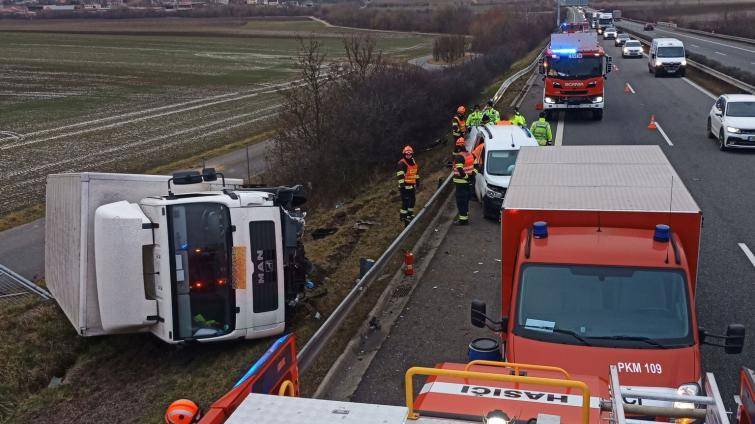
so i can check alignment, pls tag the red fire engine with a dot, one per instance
(575, 68)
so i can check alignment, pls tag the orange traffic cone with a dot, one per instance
(652, 126)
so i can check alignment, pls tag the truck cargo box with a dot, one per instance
(72, 200)
(594, 186)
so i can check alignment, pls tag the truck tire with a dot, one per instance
(656, 73)
(597, 114)
(683, 73)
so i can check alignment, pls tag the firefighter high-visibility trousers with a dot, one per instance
(462, 200)
(407, 203)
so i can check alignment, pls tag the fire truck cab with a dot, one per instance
(574, 70)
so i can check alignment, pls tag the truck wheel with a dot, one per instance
(710, 131)
(683, 73)
(656, 73)
(597, 114)
(721, 142)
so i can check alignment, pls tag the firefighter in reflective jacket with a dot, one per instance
(518, 118)
(408, 182)
(492, 113)
(475, 117)
(459, 123)
(463, 177)
(541, 130)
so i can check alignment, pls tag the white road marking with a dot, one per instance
(663, 133)
(722, 54)
(702, 90)
(747, 252)
(631, 89)
(695, 46)
(560, 129)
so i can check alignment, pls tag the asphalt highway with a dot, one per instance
(727, 52)
(719, 182)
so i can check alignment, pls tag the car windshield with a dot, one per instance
(604, 21)
(601, 302)
(501, 162)
(633, 43)
(581, 67)
(623, 36)
(200, 247)
(741, 109)
(670, 52)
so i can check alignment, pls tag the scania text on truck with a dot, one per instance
(575, 68)
(600, 256)
(185, 258)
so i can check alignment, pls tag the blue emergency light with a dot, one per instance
(662, 233)
(540, 229)
(565, 51)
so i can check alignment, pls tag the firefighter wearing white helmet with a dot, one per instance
(407, 174)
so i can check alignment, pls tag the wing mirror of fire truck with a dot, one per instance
(734, 339)
(480, 319)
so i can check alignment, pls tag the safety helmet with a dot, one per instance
(461, 109)
(460, 142)
(490, 102)
(542, 114)
(516, 108)
(182, 411)
(408, 149)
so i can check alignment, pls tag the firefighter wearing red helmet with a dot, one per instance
(463, 178)
(182, 411)
(407, 174)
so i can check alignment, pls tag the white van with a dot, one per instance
(667, 56)
(502, 143)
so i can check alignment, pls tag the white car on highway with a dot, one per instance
(621, 39)
(732, 121)
(610, 33)
(632, 48)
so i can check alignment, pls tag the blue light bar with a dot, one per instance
(565, 51)
(264, 359)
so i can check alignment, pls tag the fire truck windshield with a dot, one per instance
(200, 249)
(606, 306)
(575, 68)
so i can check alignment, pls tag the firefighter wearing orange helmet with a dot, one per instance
(182, 411)
(407, 174)
(458, 123)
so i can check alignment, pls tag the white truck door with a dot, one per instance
(121, 230)
(258, 234)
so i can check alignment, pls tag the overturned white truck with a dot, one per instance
(202, 261)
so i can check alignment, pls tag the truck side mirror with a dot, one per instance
(735, 339)
(609, 68)
(479, 310)
(209, 174)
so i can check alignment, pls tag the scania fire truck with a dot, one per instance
(575, 68)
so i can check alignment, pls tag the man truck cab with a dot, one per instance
(667, 56)
(496, 163)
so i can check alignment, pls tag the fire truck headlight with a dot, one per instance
(549, 100)
(497, 417)
(597, 99)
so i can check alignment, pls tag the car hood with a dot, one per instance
(498, 180)
(662, 368)
(740, 122)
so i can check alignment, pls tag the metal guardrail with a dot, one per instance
(319, 340)
(703, 68)
(697, 31)
(16, 289)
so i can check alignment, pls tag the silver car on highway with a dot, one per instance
(732, 121)
(632, 48)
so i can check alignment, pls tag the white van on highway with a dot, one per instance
(667, 56)
(502, 143)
